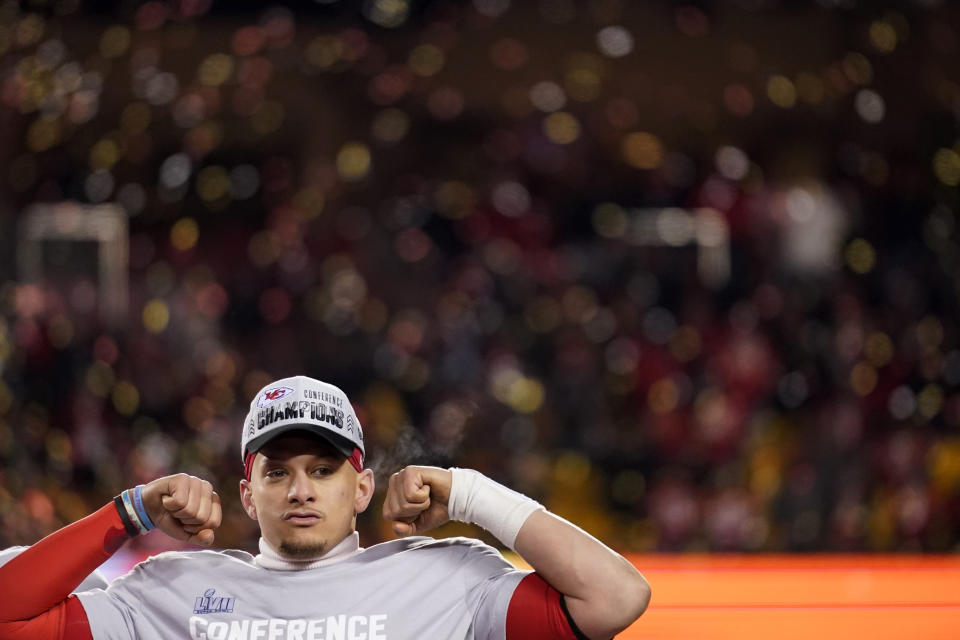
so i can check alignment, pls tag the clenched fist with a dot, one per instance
(184, 507)
(417, 499)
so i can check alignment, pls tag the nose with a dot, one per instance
(301, 490)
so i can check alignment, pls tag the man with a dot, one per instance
(304, 484)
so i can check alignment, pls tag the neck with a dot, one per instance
(270, 558)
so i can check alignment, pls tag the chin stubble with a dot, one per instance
(302, 551)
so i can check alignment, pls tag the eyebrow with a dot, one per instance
(284, 455)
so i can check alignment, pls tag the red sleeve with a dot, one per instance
(42, 577)
(537, 612)
(64, 621)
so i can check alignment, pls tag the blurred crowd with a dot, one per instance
(486, 221)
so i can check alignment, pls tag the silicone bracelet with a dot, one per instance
(134, 518)
(140, 509)
(130, 528)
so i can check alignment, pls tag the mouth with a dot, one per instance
(302, 518)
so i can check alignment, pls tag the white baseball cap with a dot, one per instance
(302, 403)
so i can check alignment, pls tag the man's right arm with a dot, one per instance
(45, 574)
(35, 585)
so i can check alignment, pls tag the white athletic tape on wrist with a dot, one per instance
(477, 499)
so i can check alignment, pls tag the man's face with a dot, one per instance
(304, 494)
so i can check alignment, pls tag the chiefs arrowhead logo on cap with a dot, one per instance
(300, 403)
(272, 395)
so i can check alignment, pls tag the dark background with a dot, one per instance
(433, 205)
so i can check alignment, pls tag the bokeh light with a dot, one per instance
(426, 60)
(732, 163)
(353, 161)
(614, 41)
(115, 41)
(156, 316)
(509, 54)
(213, 183)
(244, 181)
(883, 36)
(175, 171)
(870, 106)
(547, 96)
(390, 125)
(446, 103)
(781, 91)
(642, 150)
(561, 127)
(861, 256)
(387, 13)
(946, 166)
(184, 234)
(126, 398)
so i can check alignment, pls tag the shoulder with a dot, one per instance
(453, 547)
(464, 556)
(204, 560)
(9, 553)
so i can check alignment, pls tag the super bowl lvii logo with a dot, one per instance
(209, 602)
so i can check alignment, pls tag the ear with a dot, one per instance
(246, 498)
(365, 487)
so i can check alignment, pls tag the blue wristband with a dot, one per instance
(132, 513)
(140, 509)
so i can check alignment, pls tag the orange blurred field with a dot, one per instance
(803, 597)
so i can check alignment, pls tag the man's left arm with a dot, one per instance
(603, 592)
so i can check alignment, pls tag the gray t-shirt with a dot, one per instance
(412, 588)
